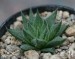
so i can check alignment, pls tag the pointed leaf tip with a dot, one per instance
(51, 19)
(25, 20)
(31, 16)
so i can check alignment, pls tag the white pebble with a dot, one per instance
(72, 16)
(64, 22)
(12, 48)
(19, 18)
(11, 26)
(3, 56)
(2, 45)
(18, 24)
(63, 55)
(16, 53)
(15, 42)
(14, 57)
(64, 36)
(69, 22)
(55, 57)
(44, 14)
(46, 55)
(22, 57)
(8, 34)
(70, 31)
(64, 47)
(71, 54)
(58, 50)
(31, 54)
(3, 51)
(59, 15)
(71, 39)
(72, 46)
(3, 37)
(49, 13)
(7, 41)
(65, 14)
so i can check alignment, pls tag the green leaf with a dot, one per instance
(39, 43)
(25, 20)
(47, 34)
(51, 50)
(43, 30)
(53, 30)
(17, 34)
(32, 29)
(42, 34)
(37, 24)
(51, 19)
(28, 34)
(38, 21)
(55, 42)
(26, 47)
(34, 42)
(62, 29)
(31, 17)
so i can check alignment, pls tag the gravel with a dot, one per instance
(70, 31)
(45, 55)
(9, 46)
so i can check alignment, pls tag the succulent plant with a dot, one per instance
(40, 34)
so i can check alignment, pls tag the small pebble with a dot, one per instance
(63, 55)
(18, 24)
(22, 57)
(8, 41)
(71, 54)
(72, 47)
(31, 54)
(3, 37)
(72, 16)
(70, 31)
(55, 57)
(14, 57)
(7, 34)
(71, 39)
(3, 56)
(19, 18)
(16, 53)
(65, 14)
(58, 50)
(3, 51)
(46, 55)
(12, 48)
(59, 15)
(64, 36)
(64, 48)
(44, 14)
(2, 45)
(11, 26)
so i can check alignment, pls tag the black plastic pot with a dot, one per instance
(11, 19)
